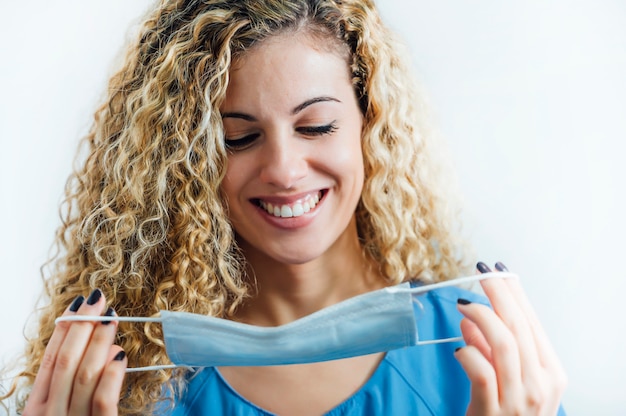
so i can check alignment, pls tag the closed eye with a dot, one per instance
(244, 142)
(241, 143)
(318, 130)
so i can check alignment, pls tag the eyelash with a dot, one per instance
(318, 130)
(245, 141)
(242, 143)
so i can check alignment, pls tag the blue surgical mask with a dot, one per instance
(378, 321)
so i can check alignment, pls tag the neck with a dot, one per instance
(286, 292)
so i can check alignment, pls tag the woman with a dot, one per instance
(259, 161)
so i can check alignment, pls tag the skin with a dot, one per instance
(279, 95)
(508, 358)
(304, 264)
(276, 104)
(78, 374)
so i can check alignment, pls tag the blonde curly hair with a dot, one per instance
(143, 217)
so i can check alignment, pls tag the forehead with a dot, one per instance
(285, 69)
(317, 40)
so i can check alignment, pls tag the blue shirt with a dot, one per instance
(422, 380)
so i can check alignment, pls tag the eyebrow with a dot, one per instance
(296, 110)
(311, 102)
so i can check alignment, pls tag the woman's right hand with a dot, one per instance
(82, 370)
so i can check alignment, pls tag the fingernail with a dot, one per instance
(501, 267)
(119, 356)
(457, 350)
(94, 297)
(462, 301)
(482, 267)
(109, 312)
(76, 303)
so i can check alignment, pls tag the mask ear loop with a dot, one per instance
(447, 283)
(434, 341)
(87, 318)
(453, 282)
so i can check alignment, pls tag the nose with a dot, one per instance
(284, 161)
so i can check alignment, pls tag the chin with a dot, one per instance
(294, 258)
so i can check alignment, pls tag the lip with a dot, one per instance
(289, 199)
(290, 223)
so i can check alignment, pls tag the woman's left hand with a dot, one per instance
(509, 360)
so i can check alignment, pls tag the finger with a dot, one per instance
(71, 353)
(484, 386)
(504, 348)
(91, 366)
(41, 386)
(107, 394)
(516, 289)
(553, 376)
(546, 354)
(506, 304)
(473, 336)
(551, 373)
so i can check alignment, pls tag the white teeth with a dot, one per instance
(298, 210)
(295, 210)
(285, 211)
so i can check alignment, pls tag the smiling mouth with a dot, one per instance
(291, 210)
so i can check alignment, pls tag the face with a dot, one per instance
(295, 165)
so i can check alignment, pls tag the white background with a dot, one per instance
(530, 95)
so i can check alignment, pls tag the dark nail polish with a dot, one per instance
(482, 267)
(109, 312)
(119, 356)
(76, 303)
(501, 267)
(94, 297)
(462, 301)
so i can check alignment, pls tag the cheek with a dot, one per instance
(345, 159)
(348, 153)
(233, 182)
